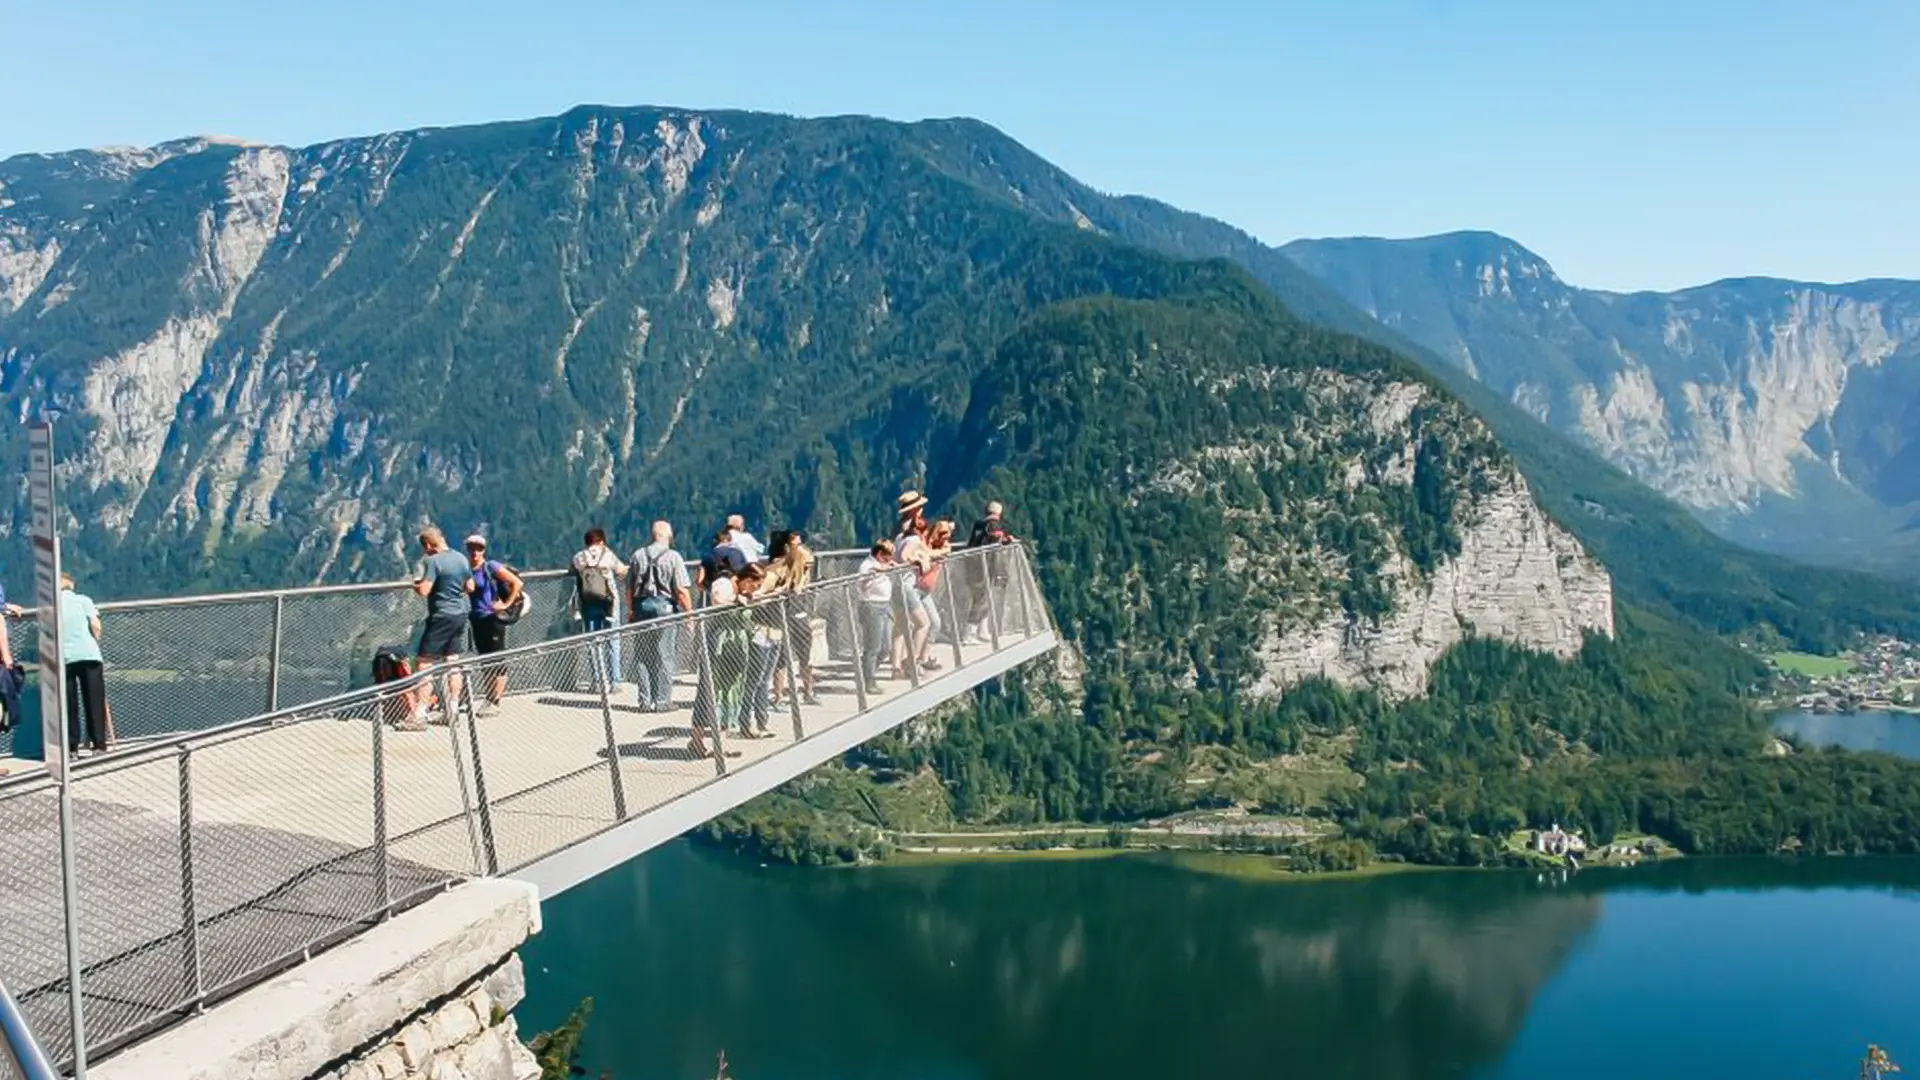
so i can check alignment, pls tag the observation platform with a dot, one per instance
(209, 860)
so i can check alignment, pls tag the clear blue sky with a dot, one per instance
(1635, 145)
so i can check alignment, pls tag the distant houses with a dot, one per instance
(1558, 842)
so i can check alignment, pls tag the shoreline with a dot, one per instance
(1777, 709)
(1242, 865)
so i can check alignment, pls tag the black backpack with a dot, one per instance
(651, 581)
(513, 614)
(596, 583)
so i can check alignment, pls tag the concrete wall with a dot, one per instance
(427, 995)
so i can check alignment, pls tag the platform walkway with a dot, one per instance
(210, 861)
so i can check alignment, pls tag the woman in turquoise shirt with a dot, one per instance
(86, 671)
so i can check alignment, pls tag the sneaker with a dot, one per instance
(487, 708)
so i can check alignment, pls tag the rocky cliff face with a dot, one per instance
(1786, 413)
(1302, 517)
(1519, 577)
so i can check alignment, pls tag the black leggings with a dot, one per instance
(87, 684)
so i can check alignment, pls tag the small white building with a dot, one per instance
(1556, 841)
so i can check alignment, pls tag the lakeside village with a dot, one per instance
(1881, 674)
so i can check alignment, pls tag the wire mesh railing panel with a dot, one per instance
(32, 934)
(540, 758)
(134, 873)
(280, 822)
(178, 668)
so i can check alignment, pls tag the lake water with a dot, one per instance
(1890, 732)
(1127, 968)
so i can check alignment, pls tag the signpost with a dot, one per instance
(53, 713)
(46, 597)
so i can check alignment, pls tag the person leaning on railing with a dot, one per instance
(988, 572)
(789, 572)
(85, 668)
(876, 611)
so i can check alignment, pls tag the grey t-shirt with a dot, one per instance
(449, 573)
(657, 571)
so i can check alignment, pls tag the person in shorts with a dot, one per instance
(444, 581)
(495, 589)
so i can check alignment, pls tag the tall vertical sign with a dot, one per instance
(53, 715)
(46, 597)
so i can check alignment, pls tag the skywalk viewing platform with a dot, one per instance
(208, 860)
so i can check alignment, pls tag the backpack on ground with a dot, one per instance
(390, 664)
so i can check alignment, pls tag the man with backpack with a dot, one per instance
(988, 572)
(597, 574)
(496, 599)
(659, 588)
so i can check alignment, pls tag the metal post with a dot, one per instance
(986, 585)
(382, 869)
(905, 616)
(487, 835)
(946, 591)
(859, 654)
(599, 662)
(710, 691)
(466, 794)
(1026, 619)
(273, 652)
(189, 915)
(793, 663)
(70, 900)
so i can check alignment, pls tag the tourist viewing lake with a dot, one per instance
(1119, 968)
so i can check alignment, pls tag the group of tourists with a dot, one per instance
(758, 647)
(757, 653)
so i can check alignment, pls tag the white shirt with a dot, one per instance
(875, 585)
(750, 547)
(721, 592)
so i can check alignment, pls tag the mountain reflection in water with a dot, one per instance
(1115, 968)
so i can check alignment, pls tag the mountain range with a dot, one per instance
(1267, 521)
(274, 362)
(1785, 413)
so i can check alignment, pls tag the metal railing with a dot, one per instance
(209, 860)
(20, 1056)
(186, 663)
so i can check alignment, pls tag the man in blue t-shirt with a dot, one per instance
(444, 582)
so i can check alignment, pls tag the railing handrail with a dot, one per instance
(148, 750)
(18, 1044)
(248, 596)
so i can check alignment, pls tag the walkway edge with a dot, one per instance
(570, 866)
(299, 1023)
